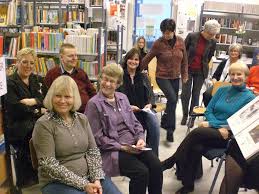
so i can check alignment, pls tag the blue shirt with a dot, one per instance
(227, 101)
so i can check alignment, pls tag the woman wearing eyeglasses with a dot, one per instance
(23, 104)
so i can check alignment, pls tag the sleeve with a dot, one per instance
(209, 113)
(89, 87)
(42, 93)
(151, 54)
(219, 70)
(48, 79)
(184, 65)
(43, 141)
(151, 96)
(12, 101)
(103, 141)
(93, 156)
(187, 41)
(212, 50)
(249, 82)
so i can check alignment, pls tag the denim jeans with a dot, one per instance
(191, 88)
(60, 188)
(153, 131)
(170, 88)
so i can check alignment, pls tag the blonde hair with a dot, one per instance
(113, 70)
(239, 66)
(66, 46)
(145, 43)
(26, 51)
(63, 85)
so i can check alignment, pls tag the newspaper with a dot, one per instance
(244, 125)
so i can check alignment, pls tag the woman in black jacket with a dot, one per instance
(23, 106)
(139, 92)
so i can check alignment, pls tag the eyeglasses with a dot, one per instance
(26, 62)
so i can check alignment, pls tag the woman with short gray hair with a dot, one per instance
(200, 47)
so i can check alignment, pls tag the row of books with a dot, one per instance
(42, 41)
(77, 15)
(228, 39)
(47, 15)
(224, 22)
(89, 67)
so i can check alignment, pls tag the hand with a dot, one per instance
(135, 108)
(185, 80)
(98, 184)
(203, 124)
(224, 132)
(141, 144)
(148, 106)
(214, 80)
(43, 110)
(29, 101)
(93, 188)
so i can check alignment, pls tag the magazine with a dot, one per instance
(244, 125)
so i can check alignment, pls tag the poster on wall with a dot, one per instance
(3, 88)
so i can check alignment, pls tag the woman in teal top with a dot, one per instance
(214, 131)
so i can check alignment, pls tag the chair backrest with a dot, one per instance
(34, 159)
(152, 75)
(217, 85)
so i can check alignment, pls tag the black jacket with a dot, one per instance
(219, 70)
(191, 42)
(21, 118)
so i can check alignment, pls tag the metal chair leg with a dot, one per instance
(217, 173)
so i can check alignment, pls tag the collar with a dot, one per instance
(64, 72)
(118, 96)
(55, 116)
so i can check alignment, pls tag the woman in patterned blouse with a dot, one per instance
(69, 160)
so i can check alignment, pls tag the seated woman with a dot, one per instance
(69, 160)
(120, 136)
(221, 73)
(23, 106)
(213, 132)
(137, 88)
(238, 171)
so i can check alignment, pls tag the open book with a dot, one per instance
(244, 125)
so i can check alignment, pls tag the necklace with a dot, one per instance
(232, 98)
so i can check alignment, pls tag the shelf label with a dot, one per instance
(3, 88)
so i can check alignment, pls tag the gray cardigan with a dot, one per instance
(191, 42)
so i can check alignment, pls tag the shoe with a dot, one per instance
(185, 190)
(169, 137)
(184, 120)
(168, 163)
(191, 123)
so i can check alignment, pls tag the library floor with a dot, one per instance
(171, 184)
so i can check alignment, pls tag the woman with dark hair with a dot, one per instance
(171, 63)
(137, 88)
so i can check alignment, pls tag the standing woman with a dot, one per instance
(171, 64)
(23, 103)
(141, 46)
(137, 88)
(200, 47)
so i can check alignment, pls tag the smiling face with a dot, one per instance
(141, 43)
(237, 77)
(133, 62)
(69, 58)
(25, 66)
(108, 85)
(63, 102)
(234, 54)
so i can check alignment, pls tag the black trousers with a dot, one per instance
(189, 153)
(170, 88)
(144, 170)
(191, 89)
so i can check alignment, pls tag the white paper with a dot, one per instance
(244, 125)
(3, 87)
(148, 110)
